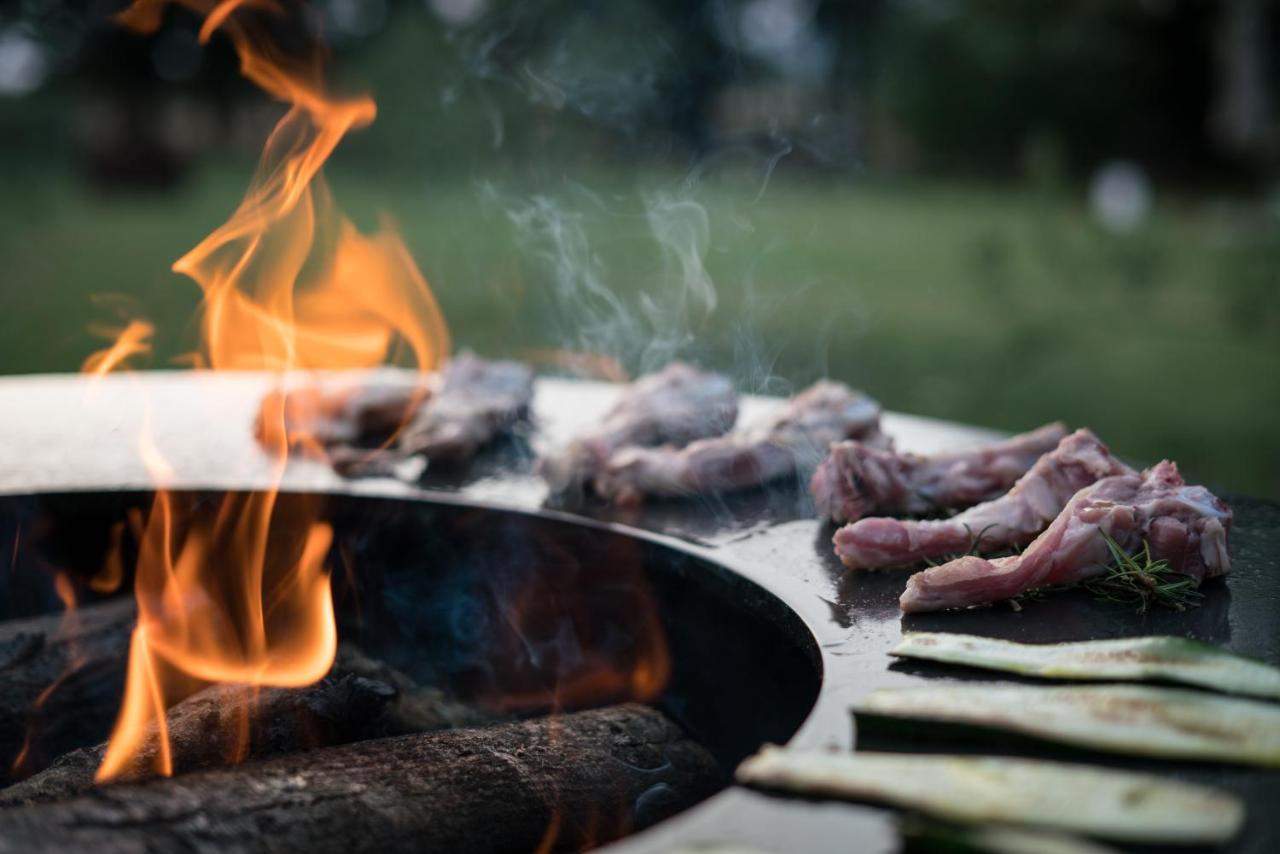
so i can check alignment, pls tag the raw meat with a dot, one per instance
(857, 479)
(1012, 520)
(1184, 525)
(798, 435)
(676, 406)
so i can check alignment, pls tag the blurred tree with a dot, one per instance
(971, 80)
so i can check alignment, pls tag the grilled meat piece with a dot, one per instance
(1014, 519)
(1185, 525)
(446, 416)
(857, 479)
(474, 401)
(675, 406)
(345, 412)
(797, 436)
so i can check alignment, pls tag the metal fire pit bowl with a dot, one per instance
(752, 571)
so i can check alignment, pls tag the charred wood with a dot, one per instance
(60, 681)
(413, 708)
(223, 724)
(585, 777)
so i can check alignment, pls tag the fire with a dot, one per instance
(131, 341)
(236, 590)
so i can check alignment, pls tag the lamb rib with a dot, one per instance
(1186, 525)
(1012, 520)
(857, 480)
(676, 406)
(445, 417)
(577, 780)
(826, 412)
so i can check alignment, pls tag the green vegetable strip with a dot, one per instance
(1134, 720)
(1170, 659)
(1115, 805)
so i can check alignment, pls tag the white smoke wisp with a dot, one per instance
(644, 315)
(588, 315)
(682, 230)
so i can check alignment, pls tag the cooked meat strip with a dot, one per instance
(676, 406)
(857, 479)
(446, 416)
(1014, 519)
(320, 416)
(474, 401)
(798, 435)
(1185, 525)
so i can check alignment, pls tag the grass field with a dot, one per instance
(1001, 307)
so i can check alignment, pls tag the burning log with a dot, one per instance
(584, 778)
(62, 677)
(67, 672)
(205, 730)
(413, 707)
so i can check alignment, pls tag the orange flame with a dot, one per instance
(239, 593)
(130, 341)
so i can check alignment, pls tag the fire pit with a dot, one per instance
(765, 637)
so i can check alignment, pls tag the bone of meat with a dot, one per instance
(1185, 525)
(1012, 520)
(203, 731)
(675, 406)
(826, 412)
(568, 782)
(858, 479)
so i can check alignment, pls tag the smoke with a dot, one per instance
(643, 314)
(625, 272)
(686, 296)
(585, 313)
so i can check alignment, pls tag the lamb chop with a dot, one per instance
(445, 417)
(676, 406)
(857, 479)
(474, 401)
(1012, 520)
(1185, 525)
(348, 411)
(824, 413)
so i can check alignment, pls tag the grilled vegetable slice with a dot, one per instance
(1116, 805)
(1169, 659)
(1129, 719)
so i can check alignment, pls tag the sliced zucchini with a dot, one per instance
(1169, 659)
(1135, 720)
(1114, 805)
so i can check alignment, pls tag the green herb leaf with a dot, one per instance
(1140, 582)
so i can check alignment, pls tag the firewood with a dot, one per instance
(63, 676)
(204, 732)
(414, 708)
(580, 779)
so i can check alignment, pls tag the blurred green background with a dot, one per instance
(996, 212)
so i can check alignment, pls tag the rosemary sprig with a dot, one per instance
(975, 547)
(1133, 580)
(1140, 582)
